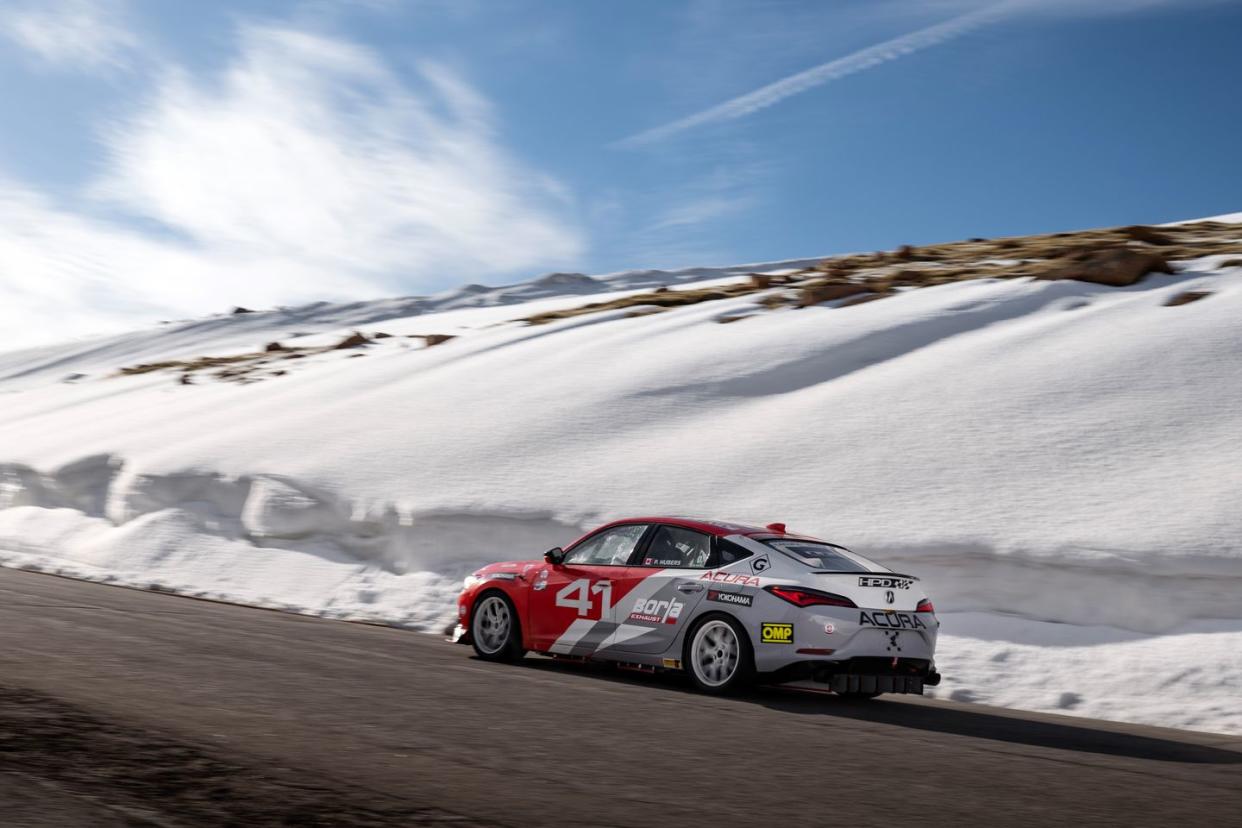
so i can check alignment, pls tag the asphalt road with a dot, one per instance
(121, 707)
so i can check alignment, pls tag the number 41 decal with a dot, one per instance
(584, 589)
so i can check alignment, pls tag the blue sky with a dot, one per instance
(161, 160)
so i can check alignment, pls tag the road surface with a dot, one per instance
(122, 707)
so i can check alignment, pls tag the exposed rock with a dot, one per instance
(354, 340)
(437, 339)
(760, 281)
(1186, 297)
(1115, 266)
(1147, 235)
(239, 309)
(273, 347)
(381, 335)
(817, 294)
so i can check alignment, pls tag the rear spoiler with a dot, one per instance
(856, 572)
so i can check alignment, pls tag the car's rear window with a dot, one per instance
(823, 556)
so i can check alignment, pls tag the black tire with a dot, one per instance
(495, 632)
(720, 672)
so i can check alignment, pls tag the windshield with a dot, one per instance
(824, 556)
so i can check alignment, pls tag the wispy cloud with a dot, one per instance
(973, 17)
(853, 63)
(76, 34)
(308, 170)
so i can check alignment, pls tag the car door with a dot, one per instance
(571, 608)
(658, 594)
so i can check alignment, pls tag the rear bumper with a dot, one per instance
(865, 675)
(851, 683)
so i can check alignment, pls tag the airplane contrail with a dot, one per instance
(859, 61)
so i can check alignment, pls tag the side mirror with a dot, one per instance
(554, 556)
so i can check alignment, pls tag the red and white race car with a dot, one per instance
(722, 601)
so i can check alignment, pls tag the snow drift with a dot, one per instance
(1059, 460)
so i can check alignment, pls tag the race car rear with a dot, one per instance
(827, 614)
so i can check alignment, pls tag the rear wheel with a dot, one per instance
(718, 655)
(494, 629)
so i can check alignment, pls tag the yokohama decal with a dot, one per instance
(740, 599)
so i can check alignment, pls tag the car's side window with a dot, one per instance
(611, 547)
(672, 546)
(730, 552)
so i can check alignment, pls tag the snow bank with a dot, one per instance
(1058, 452)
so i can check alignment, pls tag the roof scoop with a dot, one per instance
(776, 527)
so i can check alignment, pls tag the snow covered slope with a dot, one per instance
(1060, 460)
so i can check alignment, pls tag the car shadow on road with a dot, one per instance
(958, 719)
(981, 724)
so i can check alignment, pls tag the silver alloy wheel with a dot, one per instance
(491, 624)
(715, 653)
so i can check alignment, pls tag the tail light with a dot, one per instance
(925, 606)
(802, 597)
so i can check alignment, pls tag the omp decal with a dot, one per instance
(889, 619)
(830, 628)
(760, 564)
(884, 583)
(770, 633)
(741, 599)
(731, 578)
(651, 611)
(541, 581)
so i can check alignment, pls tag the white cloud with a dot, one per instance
(307, 171)
(84, 34)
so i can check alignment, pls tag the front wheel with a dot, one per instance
(718, 655)
(494, 629)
